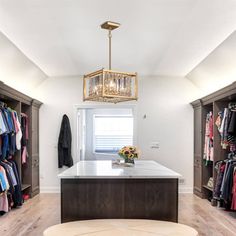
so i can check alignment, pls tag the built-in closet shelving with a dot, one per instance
(21, 103)
(214, 102)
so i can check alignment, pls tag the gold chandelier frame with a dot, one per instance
(109, 85)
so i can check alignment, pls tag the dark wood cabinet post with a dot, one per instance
(198, 151)
(35, 146)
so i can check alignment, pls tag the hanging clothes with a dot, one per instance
(10, 136)
(226, 194)
(232, 124)
(220, 170)
(208, 146)
(64, 144)
(226, 124)
(10, 186)
(219, 120)
(225, 186)
(4, 205)
(19, 132)
(224, 128)
(3, 128)
(233, 205)
(10, 132)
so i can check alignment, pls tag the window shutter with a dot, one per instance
(112, 133)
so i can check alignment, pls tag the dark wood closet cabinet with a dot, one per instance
(214, 102)
(29, 172)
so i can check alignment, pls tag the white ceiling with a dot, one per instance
(156, 37)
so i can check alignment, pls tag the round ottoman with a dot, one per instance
(120, 227)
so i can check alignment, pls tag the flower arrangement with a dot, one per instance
(129, 153)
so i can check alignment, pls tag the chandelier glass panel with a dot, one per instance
(108, 85)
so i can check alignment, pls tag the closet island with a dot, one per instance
(101, 190)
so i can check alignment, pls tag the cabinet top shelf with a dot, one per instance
(11, 94)
(225, 94)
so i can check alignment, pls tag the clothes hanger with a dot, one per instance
(3, 104)
(231, 155)
(232, 106)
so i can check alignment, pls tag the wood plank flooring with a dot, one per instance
(33, 217)
(44, 210)
(206, 219)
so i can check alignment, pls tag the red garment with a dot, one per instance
(26, 196)
(233, 205)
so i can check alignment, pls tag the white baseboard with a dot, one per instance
(52, 189)
(183, 189)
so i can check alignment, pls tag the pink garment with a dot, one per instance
(14, 120)
(24, 155)
(208, 144)
(4, 202)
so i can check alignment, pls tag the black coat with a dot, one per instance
(64, 144)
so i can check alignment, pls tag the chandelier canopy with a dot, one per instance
(109, 85)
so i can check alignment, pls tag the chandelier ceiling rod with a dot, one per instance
(109, 25)
(110, 36)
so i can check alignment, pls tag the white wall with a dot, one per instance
(164, 100)
(16, 69)
(59, 96)
(169, 120)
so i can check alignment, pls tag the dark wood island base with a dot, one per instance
(130, 198)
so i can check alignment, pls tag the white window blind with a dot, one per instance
(112, 133)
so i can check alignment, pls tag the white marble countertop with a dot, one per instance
(105, 169)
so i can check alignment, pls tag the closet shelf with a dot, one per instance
(25, 186)
(207, 187)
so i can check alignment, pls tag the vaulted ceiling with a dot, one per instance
(218, 69)
(156, 37)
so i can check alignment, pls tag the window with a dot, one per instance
(112, 133)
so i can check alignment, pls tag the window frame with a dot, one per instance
(76, 144)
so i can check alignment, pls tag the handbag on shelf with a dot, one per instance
(210, 182)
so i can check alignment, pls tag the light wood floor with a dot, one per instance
(44, 210)
(206, 219)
